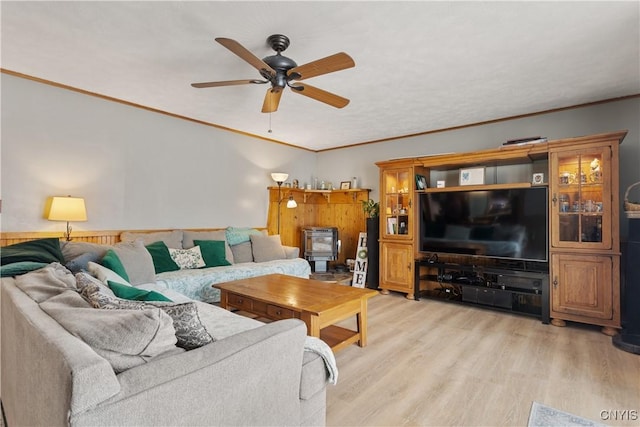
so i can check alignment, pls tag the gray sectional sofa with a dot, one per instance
(66, 362)
(248, 252)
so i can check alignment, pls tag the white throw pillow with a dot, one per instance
(187, 258)
(103, 274)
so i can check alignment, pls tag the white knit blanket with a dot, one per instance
(316, 345)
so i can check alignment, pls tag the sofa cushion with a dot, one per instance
(125, 338)
(267, 248)
(161, 257)
(291, 252)
(72, 250)
(189, 331)
(46, 282)
(237, 235)
(137, 262)
(242, 252)
(173, 238)
(18, 268)
(213, 252)
(190, 236)
(187, 258)
(135, 294)
(39, 250)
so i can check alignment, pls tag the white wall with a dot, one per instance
(136, 169)
(606, 117)
(139, 169)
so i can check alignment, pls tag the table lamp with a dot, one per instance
(67, 209)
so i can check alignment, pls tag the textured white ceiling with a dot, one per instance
(420, 66)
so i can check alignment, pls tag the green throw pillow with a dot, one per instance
(135, 294)
(113, 263)
(213, 252)
(162, 260)
(18, 268)
(237, 235)
(39, 250)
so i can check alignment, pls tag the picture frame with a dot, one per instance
(345, 185)
(472, 176)
(538, 179)
(421, 182)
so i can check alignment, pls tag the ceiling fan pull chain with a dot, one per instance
(269, 123)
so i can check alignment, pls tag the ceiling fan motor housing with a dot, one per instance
(281, 64)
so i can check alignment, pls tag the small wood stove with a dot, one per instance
(320, 245)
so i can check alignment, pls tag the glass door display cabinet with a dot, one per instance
(397, 203)
(581, 199)
(397, 210)
(584, 239)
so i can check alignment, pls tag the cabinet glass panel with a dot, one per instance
(397, 202)
(580, 201)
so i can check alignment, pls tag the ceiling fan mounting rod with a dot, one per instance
(278, 42)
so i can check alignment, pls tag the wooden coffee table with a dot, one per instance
(319, 304)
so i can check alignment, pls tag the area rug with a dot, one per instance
(543, 415)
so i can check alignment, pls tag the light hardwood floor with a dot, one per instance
(435, 363)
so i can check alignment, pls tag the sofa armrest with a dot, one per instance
(291, 251)
(251, 378)
(46, 371)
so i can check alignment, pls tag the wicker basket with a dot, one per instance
(632, 209)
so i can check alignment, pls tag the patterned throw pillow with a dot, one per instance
(190, 331)
(187, 258)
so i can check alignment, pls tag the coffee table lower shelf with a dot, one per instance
(338, 337)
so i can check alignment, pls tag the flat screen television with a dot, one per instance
(508, 224)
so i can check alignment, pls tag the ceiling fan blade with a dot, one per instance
(245, 54)
(320, 95)
(337, 62)
(271, 100)
(227, 83)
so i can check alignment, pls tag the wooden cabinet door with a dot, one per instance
(396, 267)
(582, 286)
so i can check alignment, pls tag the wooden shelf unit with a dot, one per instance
(584, 266)
(319, 208)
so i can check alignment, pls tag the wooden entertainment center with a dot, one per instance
(582, 178)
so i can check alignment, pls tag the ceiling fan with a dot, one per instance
(280, 71)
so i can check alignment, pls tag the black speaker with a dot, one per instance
(373, 251)
(629, 338)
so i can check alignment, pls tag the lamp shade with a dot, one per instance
(291, 203)
(67, 209)
(279, 177)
